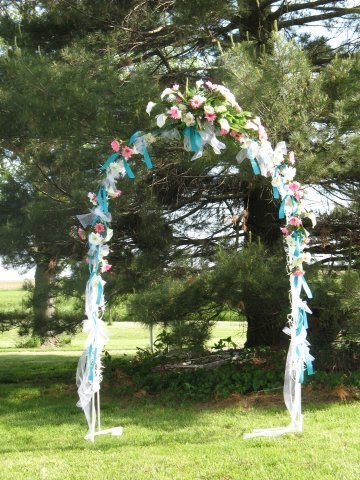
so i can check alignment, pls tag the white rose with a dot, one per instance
(224, 124)
(189, 119)
(208, 109)
(220, 109)
(306, 257)
(95, 238)
(276, 182)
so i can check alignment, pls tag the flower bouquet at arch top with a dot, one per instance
(200, 114)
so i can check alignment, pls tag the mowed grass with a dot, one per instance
(124, 337)
(42, 431)
(12, 299)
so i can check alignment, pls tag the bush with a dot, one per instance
(335, 307)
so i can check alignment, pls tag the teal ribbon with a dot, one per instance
(102, 203)
(91, 360)
(146, 155)
(300, 281)
(253, 162)
(276, 193)
(100, 292)
(302, 321)
(128, 170)
(110, 160)
(282, 206)
(298, 238)
(195, 138)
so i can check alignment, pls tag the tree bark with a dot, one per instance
(43, 300)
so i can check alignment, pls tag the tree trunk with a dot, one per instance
(43, 301)
(264, 330)
(265, 322)
(262, 217)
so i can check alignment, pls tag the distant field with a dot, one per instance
(11, 285)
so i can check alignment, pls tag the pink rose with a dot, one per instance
(175, 87)
(127, 152)
(117, 193)
(298, 273)
(295, 221)
(294, 186)
(115, 145)
(224, 131)
(285, 231)
(298, 195)
(174, 113)
(210, 117)
(81, 233)
(99, 228)
(106, 268)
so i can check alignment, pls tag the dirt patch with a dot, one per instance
(340, 393)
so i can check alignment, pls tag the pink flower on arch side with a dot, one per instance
(127, 152)
(294, 186)
(175, 87)
(295, 221)
(81, 233)
(298, 195)
(285, 231)
(174, 113)
(106, 268)
(99, 228)
(298, 273)
(115, 145)
(210, 117)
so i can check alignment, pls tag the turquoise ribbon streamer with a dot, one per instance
(100, 292)
(276, 193)
(302, 321)
(300, 281)
(128, 170)
(298, 238)
(253, 162)
(92, 363)
(282, 206)
(195, 138)
(110, 160)
(146, 155)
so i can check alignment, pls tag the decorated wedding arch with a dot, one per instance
(199, 117)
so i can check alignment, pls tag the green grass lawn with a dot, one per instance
(124, 337)
(42, 431)
(12, 299)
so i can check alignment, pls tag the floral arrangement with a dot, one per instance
(202, 113)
